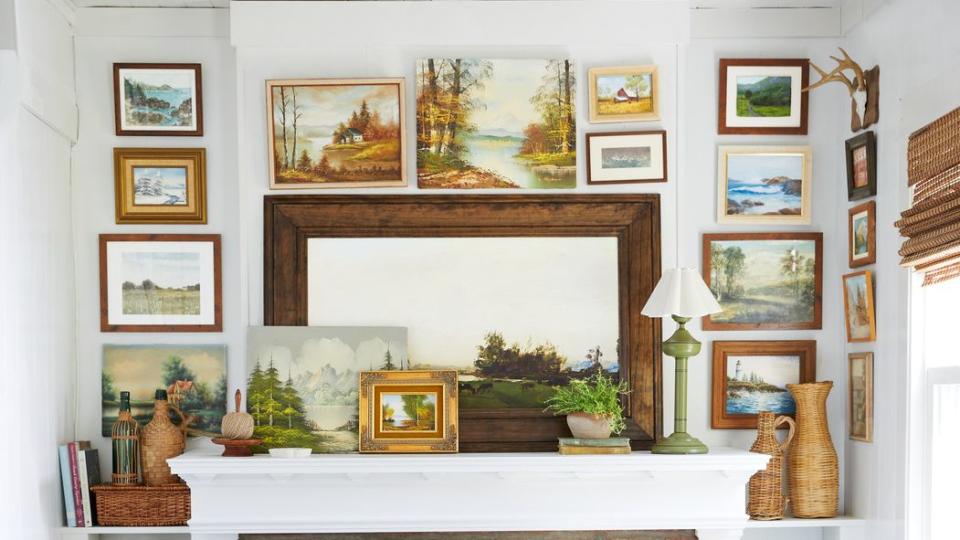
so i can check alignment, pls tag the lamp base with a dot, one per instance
(679, 443)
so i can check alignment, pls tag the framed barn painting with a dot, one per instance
(861, 166)
(764, 184)
(862, 229)
(408, 411)
(624, 94)
(858, 307)
(160, 185)
(860, 396)
(626, 157)
(763, 96)
(158, 99)
(329, 133)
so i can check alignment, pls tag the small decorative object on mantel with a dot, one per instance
(813, 472)
(162, 440)
(864, 89)
(125, 435)
(571, 446)
(408, 411)
(237, 430)
(592, 406)
(765, 491)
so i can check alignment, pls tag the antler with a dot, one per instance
(837, 74)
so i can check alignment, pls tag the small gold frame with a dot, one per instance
(437, 435)
(192, 211)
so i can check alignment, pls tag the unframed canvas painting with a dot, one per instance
(759, 383)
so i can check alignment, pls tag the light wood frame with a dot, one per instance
(197, 109)
(867, 358)
(866, 139)
(127, 212)
(663, 142)
(726, 63)
(443, 383)
(719, 419)
(597, 118)
(806, 195)
(870, 207)
(871, 314)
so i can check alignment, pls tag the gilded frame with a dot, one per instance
(443, 439)
(194, 160)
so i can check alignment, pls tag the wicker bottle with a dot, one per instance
(161, 440)
(813, 474)
(125, 438)
(766, 501)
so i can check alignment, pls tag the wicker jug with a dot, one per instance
(766, 501)
(161, 440)
(813, 474)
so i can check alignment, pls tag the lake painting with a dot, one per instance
(496, 123)
(759, 383)
(408, 411)
(154, 186)
(764, 184)
(763, 96)
(161, 283)
(158, 99)
(626, 157)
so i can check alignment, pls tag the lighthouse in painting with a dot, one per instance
(738, 375)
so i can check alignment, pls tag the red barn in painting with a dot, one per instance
(623, 96)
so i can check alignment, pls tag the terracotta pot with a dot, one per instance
(589, 426)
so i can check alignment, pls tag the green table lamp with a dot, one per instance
(681, 294)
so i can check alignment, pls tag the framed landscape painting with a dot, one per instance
(861, 166)
(858, 307)
(752, 376)
(408, 411)
(160, 185)
(862, 229)
(160, 283)
(624, 94)
(764, 281)
(158, 99)
(494, 123)
(626, 157)
(764, 184)
(763, 96)
(860, 396)
(329, 133)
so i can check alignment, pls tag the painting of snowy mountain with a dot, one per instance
(154, 186)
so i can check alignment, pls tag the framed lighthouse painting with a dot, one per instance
(624, 94)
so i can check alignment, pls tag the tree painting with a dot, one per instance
(496, 123)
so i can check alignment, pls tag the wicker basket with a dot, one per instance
(765, 491)
(142, 506)
(813, 470)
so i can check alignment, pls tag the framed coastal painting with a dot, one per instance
(329, 133)
(861, 166)
(763, 96)
(624, 94)
(862, 229)
(194, 376)
(495, 123)
(764, 281)
(858, 306)
(408, 411)
(158, 99)
(860, 396)
(764, 184)
(752, 376)
(626, 157)
(160, 185)
(160, 283)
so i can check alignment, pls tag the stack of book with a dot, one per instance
(613, 445)
(79, 469)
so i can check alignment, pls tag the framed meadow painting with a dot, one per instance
(752, 376)
(624, 94)
(160, 185)
(329, 133)
(494, 123)
(860, 396)
(408, 411)
(160, 283)
(626, 157)
(764, 281)
(861, 166)
(158, 99)
(764, 184)
(862, 229)
(858, 307)
(763, 96)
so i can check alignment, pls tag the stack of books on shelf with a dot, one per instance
(613, 445)
(79, 469)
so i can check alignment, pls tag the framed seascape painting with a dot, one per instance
(626, 157)
(752, 376)
(858, 306)
(496, 123)
(158, 99)
(160, 185)
(860, 396)
(624, 94)
(764, 281)
(862, 229)
(329, 133)
(194, 376)
(763, 96)
(160, 283)
(861, 166)
(408, 411)
(764, 184)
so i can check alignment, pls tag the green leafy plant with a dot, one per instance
(597, 394)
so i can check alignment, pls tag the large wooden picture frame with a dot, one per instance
(633, 220)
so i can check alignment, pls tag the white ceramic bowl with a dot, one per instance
(289, 452)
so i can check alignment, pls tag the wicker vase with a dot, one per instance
(161, 440)
(125, 439)
(813, 472)
(766, 501)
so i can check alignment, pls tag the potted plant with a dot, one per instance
(592, 406)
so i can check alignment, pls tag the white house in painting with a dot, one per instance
(351, 136)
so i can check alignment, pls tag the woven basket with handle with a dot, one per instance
(766, 500)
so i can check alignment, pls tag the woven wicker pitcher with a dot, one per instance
(813, 473)
(161, 440)
(766, 501)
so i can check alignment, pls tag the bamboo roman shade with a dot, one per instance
(932, 223)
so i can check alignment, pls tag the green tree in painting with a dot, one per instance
(304, 163)
(388, 364)
(792, 265)
(734, 260)
(278, 409)
(109, 394)
(174, 370)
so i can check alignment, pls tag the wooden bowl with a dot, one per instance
(237, 447)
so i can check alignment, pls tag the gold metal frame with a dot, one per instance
(194, 160)
(445, 439)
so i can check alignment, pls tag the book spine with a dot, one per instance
(75, 483)
(65, 480)
(84, 488)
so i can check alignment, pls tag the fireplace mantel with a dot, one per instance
(467, 492)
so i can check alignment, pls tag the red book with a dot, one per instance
(75, 482)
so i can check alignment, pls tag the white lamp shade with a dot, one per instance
(681, 292)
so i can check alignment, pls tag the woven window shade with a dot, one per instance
(932, 223)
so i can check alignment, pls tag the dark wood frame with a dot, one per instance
(868, 399)
(816, 324)
(634, 219)
(719, 419)
(198, 106)
(869, 140)
(663, 136)
(172, 215)
(105, 325)
(870, 207)
(871, 307)
(722, 127)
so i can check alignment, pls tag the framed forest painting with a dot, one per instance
(158, 99)
(763, 96)
(408, 411)
(858, 306)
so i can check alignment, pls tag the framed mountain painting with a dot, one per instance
(763, 96)
(158, 99)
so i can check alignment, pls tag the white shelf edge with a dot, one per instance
(183, 529)
(791, 522)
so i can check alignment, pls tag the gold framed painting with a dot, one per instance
(858, 307)
(624, 94)
(764, 184)
(408, 412)
(160, 185)
(860, 396)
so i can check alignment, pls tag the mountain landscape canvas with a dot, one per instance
(763, 96)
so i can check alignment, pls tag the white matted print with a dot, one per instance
(158, 99)
(639, 156)
(763, 96)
